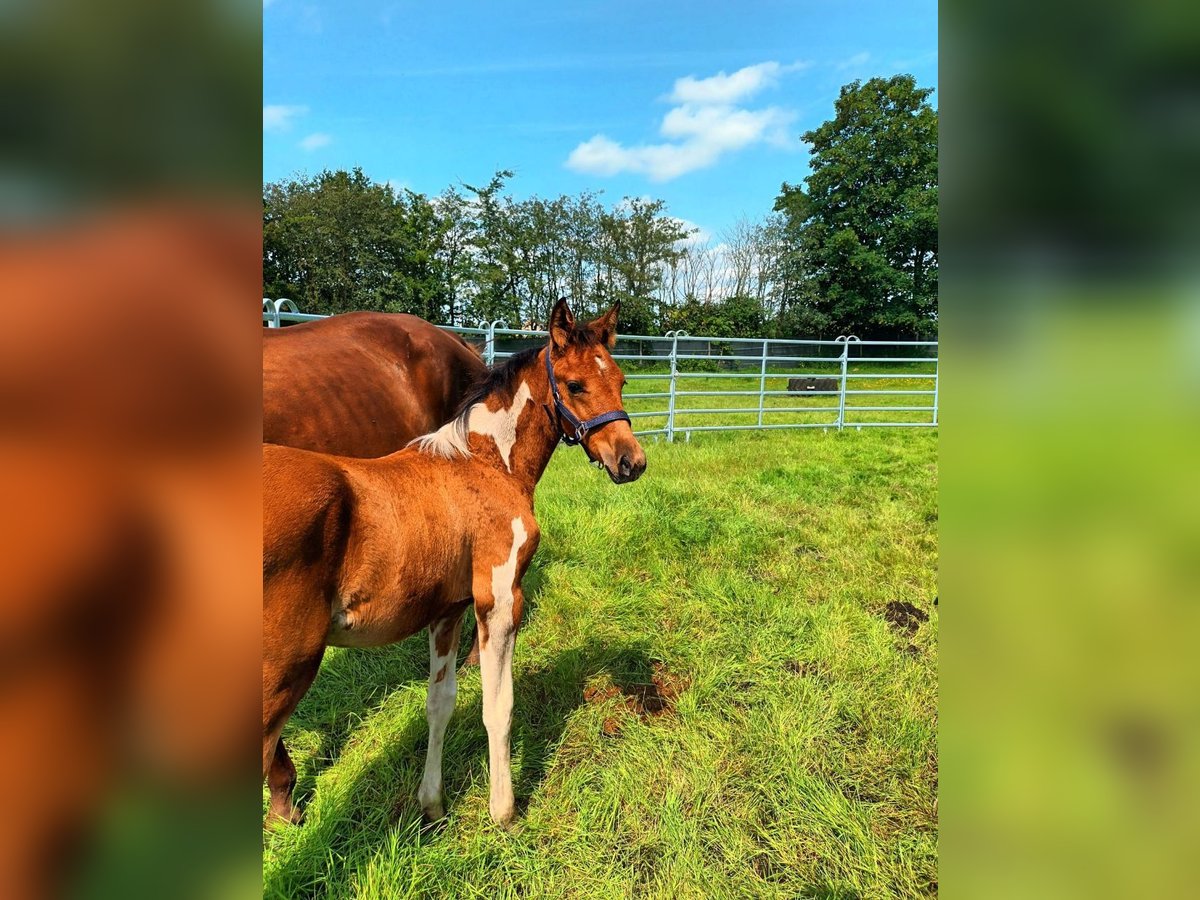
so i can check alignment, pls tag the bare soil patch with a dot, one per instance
(904, 617)
(645, 701)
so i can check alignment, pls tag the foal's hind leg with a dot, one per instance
(291, 658)
(283, 688)
(439, 707)
(472, 659)
(281, 779)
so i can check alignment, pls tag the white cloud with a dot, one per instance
(852, 62)
(315, 141)
(698, 236)
(741, 85)
(706, 123)
(724, 127)
(279, 117)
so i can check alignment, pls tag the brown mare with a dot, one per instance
(362, 553)
(362, 384)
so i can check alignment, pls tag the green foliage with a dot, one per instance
(854, 250)
(866, 220)
(337, 242)
(732, 317)
(638, 238)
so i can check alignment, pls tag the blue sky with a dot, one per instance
(701, 104)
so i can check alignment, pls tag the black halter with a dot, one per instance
(581, 428)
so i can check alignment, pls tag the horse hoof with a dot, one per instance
(433, 812)
(505, 820)
(292, 816)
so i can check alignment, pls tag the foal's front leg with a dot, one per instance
(495, 666)
(439, 707)
(498, 605)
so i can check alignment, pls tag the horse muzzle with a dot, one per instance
(624, 464)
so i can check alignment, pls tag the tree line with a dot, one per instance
(853, 249)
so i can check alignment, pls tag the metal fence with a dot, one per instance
(680, 384)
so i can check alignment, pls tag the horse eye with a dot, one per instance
(574, 387)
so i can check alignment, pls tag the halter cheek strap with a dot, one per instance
(581, 428)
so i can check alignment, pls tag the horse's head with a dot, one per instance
(586, 385)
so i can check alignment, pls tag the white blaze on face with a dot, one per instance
(600, 364)
(501, 424)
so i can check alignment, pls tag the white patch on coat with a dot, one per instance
(600, 364)
(501, 424)
(495, 663)
(450, 440)
(503, 574)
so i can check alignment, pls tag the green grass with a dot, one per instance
(799, 758)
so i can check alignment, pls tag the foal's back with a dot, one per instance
(379, 547)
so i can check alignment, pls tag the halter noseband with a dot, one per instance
(581, 428)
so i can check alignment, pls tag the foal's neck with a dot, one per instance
(513, 428)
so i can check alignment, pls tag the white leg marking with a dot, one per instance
(495, 663)
(501, 425)
(439, 706)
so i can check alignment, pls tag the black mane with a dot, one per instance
(501, 375)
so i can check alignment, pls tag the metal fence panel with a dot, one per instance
(753, 364)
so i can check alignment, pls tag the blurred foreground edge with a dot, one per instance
(129, 561)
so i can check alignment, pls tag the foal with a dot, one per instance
(365, 552)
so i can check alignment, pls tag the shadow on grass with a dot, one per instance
(378, 802)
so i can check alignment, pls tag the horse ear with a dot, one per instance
(605, 327)
(562, 323)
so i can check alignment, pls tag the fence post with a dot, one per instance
(674, 336)
(273, 308)
(762, 384)
(936, 380)
(845, 340)
(841, 419)
(489, 342)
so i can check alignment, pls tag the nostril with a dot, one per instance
(624, 467)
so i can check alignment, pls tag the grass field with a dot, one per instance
(726, 686)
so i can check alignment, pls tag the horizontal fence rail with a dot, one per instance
(683, 383)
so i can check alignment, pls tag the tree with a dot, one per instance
(638, 240)
(866, 223)
(731, 317)
(456, 252)
(496, 262)
(338, 241)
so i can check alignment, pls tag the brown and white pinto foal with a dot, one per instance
(365, 552)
